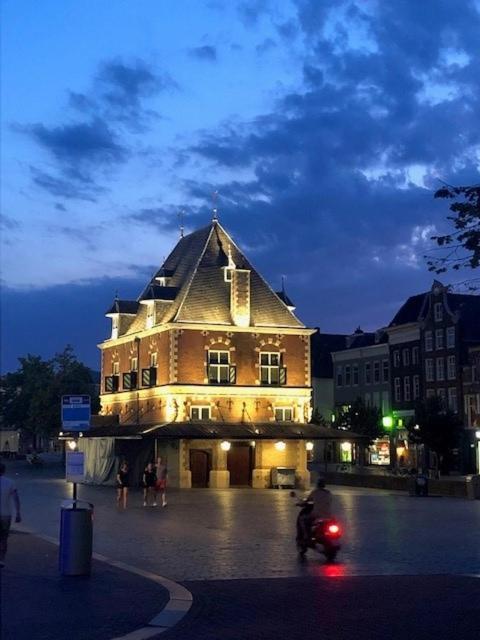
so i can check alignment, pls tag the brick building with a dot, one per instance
(210, 368)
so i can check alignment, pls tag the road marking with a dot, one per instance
(179, 602)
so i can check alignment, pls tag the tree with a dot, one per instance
(437, 428)
(363, 419)
(30, 397)
(460, 248)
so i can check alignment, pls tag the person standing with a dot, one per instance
(123, 483)
(149, 481)
(8, 494)
(161, 484)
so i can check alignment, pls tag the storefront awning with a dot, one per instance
(208, 430)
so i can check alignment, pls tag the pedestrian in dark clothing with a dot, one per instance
(123, 483)
(149, 482)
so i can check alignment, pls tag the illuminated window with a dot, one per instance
(283, 414)
(219, 367)
(200, 413)
(270, 368)
(153, 359)
(134, 364)
(115, 368)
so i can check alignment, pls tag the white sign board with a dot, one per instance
(75, 466)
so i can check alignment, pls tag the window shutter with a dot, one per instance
(145, 377)
(127, 381)
(283, 375)
(233, 374)
(109, 384)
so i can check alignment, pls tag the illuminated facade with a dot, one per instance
(212, 367)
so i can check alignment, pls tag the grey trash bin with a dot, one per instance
(76, 537)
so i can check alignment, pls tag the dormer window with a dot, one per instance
(162, 281)
(150, 315)
(115, 326)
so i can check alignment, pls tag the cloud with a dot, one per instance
(250, 11)
(8, 224)
(95, 140)
(267, 45)
(205, 52)
(348, 162)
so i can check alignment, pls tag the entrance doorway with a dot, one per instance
(200, 465)
(239, 464)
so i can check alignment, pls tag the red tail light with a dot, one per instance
(333, 530)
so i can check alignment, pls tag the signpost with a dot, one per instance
(76, 413)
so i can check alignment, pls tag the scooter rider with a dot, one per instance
(321, 501)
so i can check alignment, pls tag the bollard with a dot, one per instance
(76, 537)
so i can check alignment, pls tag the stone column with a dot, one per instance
(301, 471)
(185, 475)
(219, 475)
(260, 475)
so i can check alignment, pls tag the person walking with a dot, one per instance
(149, 481)
(161, 484)
(123, 483)
(8, 494)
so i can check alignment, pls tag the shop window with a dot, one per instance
(200, 413)
(283, 414)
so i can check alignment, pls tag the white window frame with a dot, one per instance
(368, 366)
(355, 375)
(406, 357)
(453, 399)
(396, 358)
(339, 376)
(415, 358)
(429, 370)
(397, 389)
(134, 363)
(385, 369)
(115, 368)
(440, 369)
(451, 368)
(204, 412)
(270, 368)
(154, 359)
(450, 337)
(348, 375)
(218, 367)
(428, 341)
(438, 311)
(439, 339)
(281, 414)
(406, 389)
(416, 387)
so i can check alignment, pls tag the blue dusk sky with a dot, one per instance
(325, 126)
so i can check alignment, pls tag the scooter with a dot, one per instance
(322, 532)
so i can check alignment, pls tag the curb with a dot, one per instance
(179, 603)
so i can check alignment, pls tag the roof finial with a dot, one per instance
(214, 208)
(181, 216)
(116, 295)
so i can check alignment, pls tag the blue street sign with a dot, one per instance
(76, 413)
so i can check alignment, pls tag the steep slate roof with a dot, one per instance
(467, 306)
(129, 307)
(195, 274)
(322, 347)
